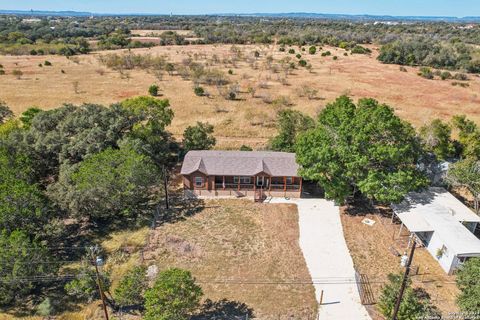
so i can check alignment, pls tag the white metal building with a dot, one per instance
(443, 224)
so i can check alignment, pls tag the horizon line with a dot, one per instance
(259, 14)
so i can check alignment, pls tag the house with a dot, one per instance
(443, 224)
(255, 174)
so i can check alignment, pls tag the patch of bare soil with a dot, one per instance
(241, 253)
(375, 251)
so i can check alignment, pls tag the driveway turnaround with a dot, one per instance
(328, 259)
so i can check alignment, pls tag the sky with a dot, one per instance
(458, 8)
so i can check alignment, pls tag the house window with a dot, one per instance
(242, 180)
(199, 182)
(289, 180)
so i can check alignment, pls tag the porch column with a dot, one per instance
(401, 229)
(214, 183)
(239, 183)
(254, 184)
(223, 183)
(301, 185)
(284, 183)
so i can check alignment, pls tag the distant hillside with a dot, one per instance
(291, 15)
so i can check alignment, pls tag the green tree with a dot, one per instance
(364, 148)
(436, 138)
(312, 50)
(290, 124)
(198, 137)
(411, 308)
(469, 136)
(467, 282)
(131, 287)
(153, 116)
(71, 133)
(111, 184)
(22, 203)
(85, 287)
(21, 260)
(174, 296)
(27, 116)
(5, 112)
(466, 173)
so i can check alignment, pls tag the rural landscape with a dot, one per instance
(239, 166)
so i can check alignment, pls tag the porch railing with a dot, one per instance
(273, 187)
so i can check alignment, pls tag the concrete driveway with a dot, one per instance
(328, 259)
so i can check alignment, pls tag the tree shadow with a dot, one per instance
(224, 310)
(180, 209)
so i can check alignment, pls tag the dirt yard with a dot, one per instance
(244, 252)
(373, 248)
(250, 118)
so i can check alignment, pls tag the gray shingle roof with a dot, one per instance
(240, 163)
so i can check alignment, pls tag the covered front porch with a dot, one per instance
(260, 182)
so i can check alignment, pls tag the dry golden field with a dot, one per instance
(249, 119)
(244, 252)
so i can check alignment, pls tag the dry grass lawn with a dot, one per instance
(240, 251)
(371, 249)
(247, 120)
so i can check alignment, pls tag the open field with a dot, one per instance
(372, 252)
(240, 251)
(248, 119)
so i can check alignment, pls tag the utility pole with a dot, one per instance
(94, 251)
(165, 185)
(404, 282)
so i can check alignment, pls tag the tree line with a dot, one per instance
(99, 167)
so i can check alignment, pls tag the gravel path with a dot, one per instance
(328, 259)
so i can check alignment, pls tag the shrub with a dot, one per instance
(256, 54)
(303, 49)
(460, 76)
(312, 50)
(199, 91)
(460, 84)
(282, 49)
(17, 73)
(403, 69)
(445, 75)
(326, 53)
(45, 308)
(345, 54)
(62, 71)
(245, 148)
(360, 50)
(298, 56)
(2, 72)
(302, 63)
(47, 63)
(335, 58)
(291, 51)
(230, 71)
(40, 65)
(33, 52)
(426, 72)
(153, 90)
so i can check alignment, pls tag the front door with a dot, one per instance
(260, 181)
